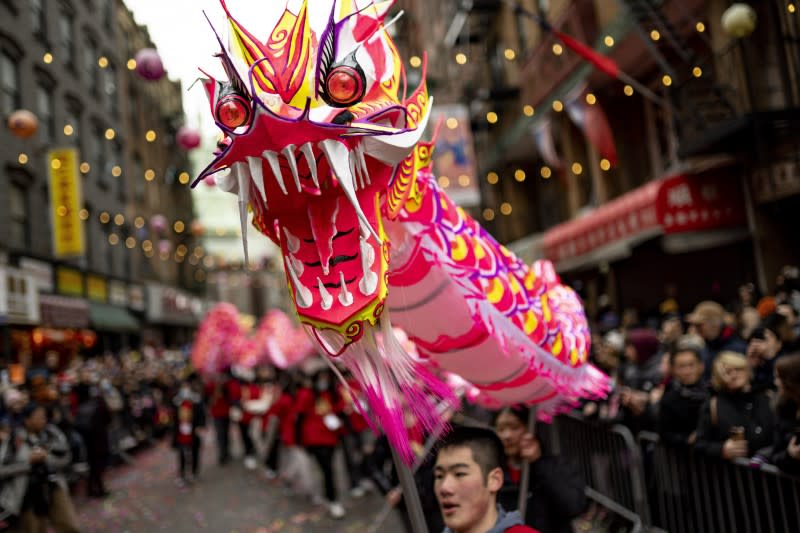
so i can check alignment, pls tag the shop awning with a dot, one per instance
(64, 311)
(676, 204)
(106, 317)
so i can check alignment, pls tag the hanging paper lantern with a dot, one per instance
(739, 20)
(209, 181)
(164, 246)
(197, 228)
(188, 138)
(23, 123)
(158, 223)
(149, 65)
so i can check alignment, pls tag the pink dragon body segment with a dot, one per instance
(324, 146)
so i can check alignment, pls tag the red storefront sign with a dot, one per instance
(675, 204)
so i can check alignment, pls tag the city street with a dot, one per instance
(145, 498)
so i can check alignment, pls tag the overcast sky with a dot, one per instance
(185, 42)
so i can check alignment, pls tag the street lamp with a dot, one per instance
(739, 20)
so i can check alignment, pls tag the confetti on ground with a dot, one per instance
(145, 498)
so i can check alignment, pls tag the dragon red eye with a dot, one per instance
(344, 85)
(233, 111)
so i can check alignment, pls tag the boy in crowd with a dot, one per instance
(467, 476)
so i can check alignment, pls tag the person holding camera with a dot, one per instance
(34, 486)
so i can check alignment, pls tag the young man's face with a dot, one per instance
(687, 368)
(465, 495)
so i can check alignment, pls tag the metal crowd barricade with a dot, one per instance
(611, 464)
(690, 493)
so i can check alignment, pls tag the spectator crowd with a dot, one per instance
(722, 380)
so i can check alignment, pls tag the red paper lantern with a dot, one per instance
(149, 65)
(158, 223)
(23, 123)
(188, 138)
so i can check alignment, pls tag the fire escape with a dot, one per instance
(706, 107)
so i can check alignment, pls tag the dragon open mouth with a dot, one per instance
(320, 137)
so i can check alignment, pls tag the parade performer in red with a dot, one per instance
(319, 411)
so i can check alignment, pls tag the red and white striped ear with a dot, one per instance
(383, 7)
(211, 86)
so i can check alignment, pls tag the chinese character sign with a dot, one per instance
(65, 203)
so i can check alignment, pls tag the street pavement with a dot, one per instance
(145, 497)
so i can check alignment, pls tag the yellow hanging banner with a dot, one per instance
(65, 203)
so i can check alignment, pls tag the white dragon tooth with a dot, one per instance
(363, 162)
(327, 299)
(272, 159)
(239, 171)
(303, 296)
(358, 180)
(292, 242)
(337, 155)
(226, 181)
(308, 151)
(369, 282)
(288, 153)
(257, 173)
(345, 298)
(297, 265)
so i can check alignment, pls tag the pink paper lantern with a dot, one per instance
(164, 246)
(158, 223)
(149, 65)
(188, 138)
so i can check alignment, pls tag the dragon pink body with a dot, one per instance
(324, 147)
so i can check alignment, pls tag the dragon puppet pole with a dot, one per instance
(525, 478)
(429, 444)
(598, 61)
(410, 494)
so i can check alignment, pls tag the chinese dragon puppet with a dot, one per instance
(323, 145)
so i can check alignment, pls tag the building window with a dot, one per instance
(108, 250)
(133, 106)
(73, 120)
(99, 156)
(66, 31)
(38, 18)
(44, 103)
(90, 64)
(109, 14)
(19, 230)
(110, 88)
(137, 172)
(9, 78)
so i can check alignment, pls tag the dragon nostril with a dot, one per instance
(345, 117)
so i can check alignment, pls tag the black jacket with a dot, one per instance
(786, 426)
(555, 495)
(679, 412)
(750, 410)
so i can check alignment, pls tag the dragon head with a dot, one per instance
(316, 124)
